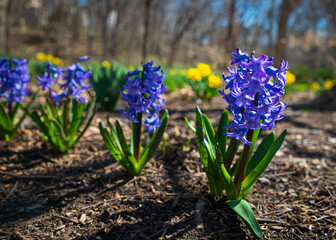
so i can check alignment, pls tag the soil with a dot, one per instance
(87, 195)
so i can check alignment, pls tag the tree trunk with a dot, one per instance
(280, 46)
(8, 26)
(148, 4)
(230, 34)
(3, 7)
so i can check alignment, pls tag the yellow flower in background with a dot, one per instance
(41, 56)
(184, 72)
(291, 78)
(49, 58)
(329, 84)
(131, 67)
(214, 81)
(173, 71)
(204, 69)
(194, 74)
(57, 61)
(315, 86)
(106, 64)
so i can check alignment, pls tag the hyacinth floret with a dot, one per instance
(73, 76)
(143, 93)
(14, 78)
(255, 90)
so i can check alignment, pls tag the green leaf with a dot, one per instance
(45, 120)
(220, 135)
(243, 209)
(49, 111)
(5, 120)
(153, 144)
(189, 125)
(206, 159)
(199, 118)
(230, 187)
(133, 136)
(115, 152)
(84, 130)
(40, 125)
(15, 112)
(75, 121)
(259, 169)
(114, 135)
(204, 154)
(60, 130)
(260, 153)
(26, 110)
(210, 135)
(253, 141)
(132, 164)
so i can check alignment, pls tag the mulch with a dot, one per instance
(87, 195)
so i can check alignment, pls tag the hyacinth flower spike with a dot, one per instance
(254, 99)
(14, 80)
(61, 118)
(143, 94)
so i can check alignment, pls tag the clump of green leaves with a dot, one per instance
(106, 80)
(143, 93)
(218, 160)
(14, 80)
(63, 114)
(125, 154)
(60, 127)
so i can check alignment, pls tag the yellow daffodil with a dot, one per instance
(50, 57)
(214, 81)
(194, 74)
(184, 72)
(329, 84)
(290, 78)
(173, 71)
(41, 56)
(57, 61)
(131, 67)
(106, 64)
(204, 69)
(315, 86)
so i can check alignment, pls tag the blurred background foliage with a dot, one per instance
(176, 34)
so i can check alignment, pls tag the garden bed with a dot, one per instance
(87, 195)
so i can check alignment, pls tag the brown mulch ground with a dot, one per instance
(87, 195)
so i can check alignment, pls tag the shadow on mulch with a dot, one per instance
(39, 197)
(153, 220)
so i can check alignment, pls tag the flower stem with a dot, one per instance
(51, 102)
(137, 137)
(228, 160)
(243, 162)
(241, 171)
(138, 129)
(66, 113)
(10, 104)
(10, 110)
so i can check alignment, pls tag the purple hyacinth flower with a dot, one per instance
(84, 58)
(152, 122)
(143, 93)
(254, 99)
(57, 97)
(71, 79)
(76, 93)
(46, 81)
(14, 77)
(239, 56)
